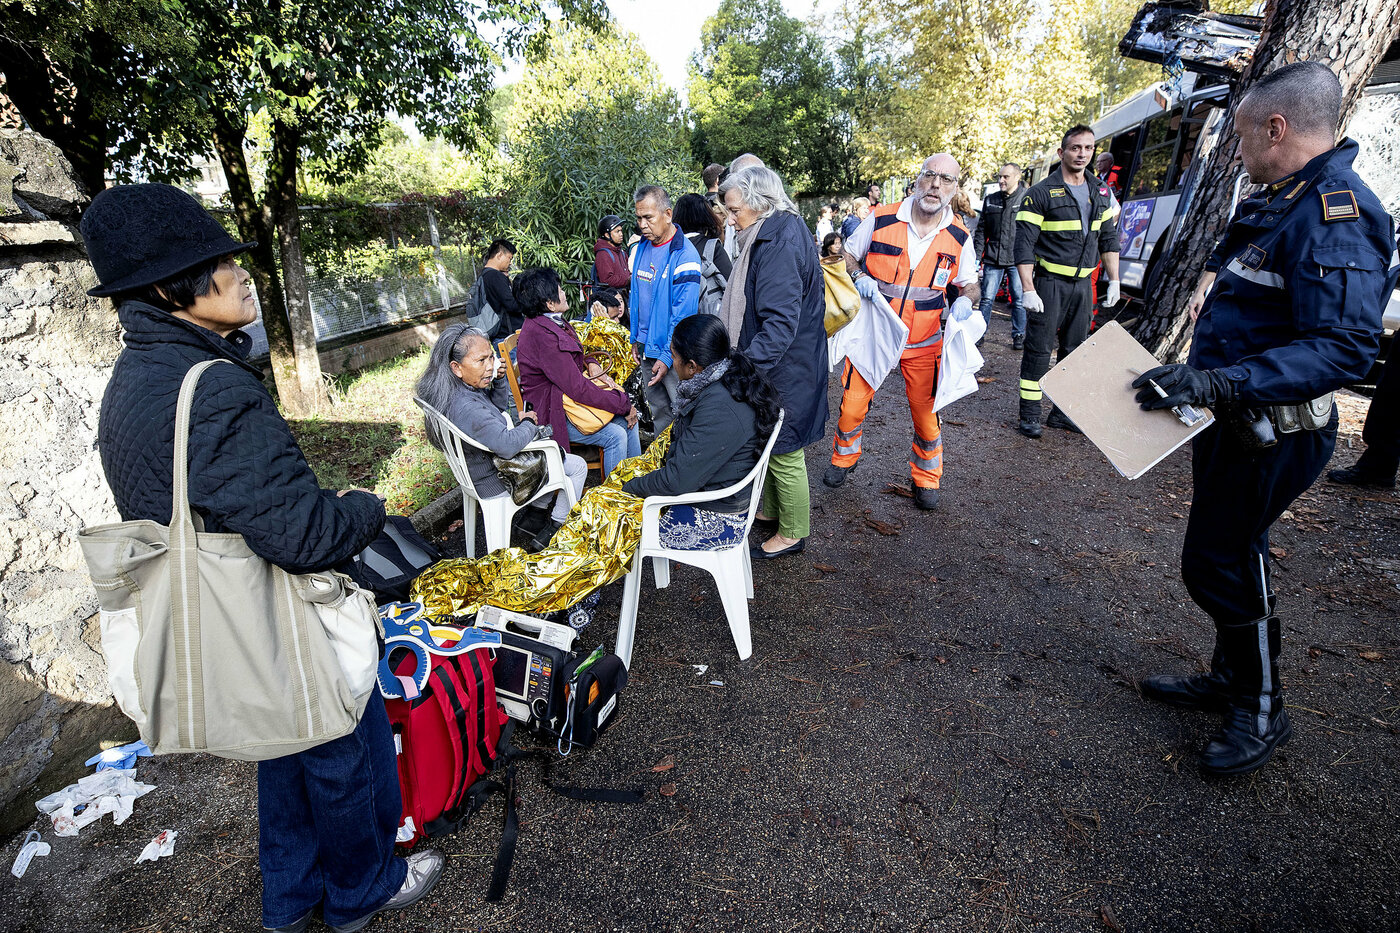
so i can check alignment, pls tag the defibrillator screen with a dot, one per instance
(510, 670)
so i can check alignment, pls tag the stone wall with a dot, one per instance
(57, 347)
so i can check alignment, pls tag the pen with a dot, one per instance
(1188, 415)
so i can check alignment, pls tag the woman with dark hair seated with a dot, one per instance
(460, 382)
(725, 412)
(553, 365)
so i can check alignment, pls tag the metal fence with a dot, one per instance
(406, 266)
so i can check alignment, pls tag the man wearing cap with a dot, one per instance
(327, 816)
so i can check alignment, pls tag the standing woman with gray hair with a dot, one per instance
(773, 309)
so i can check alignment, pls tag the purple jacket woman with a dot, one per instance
(552, 363)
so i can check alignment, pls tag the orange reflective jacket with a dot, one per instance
(916, 295)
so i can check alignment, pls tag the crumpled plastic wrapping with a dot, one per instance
(593, 548)
(601, 335)
(113, 791)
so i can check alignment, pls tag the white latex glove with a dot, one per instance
(1114, 292)
(961, 310)
(868, 288)
(1032, 303)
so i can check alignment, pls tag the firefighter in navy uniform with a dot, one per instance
(1288, 311)
(1067, 224)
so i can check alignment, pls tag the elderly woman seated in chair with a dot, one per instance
(725, 413)
(463, 382)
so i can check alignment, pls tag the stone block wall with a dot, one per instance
(57, 347)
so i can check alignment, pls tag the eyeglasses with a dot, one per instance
(931, 177)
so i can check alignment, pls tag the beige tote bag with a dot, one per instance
(212, 649)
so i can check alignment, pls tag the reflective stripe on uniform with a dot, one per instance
(1257, 276)
(928, 455)
(1055, 226)
(1030, 217)
(1030, 390)
(927, 463)
(1055, 267)
(851, 439)
(927, 342)
(896, 291)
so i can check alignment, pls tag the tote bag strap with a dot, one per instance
(184, 574)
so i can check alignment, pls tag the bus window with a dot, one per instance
(1154, 171)
(1200, 112)
(1123, 148)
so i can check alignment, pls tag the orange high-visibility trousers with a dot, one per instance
(920, 382)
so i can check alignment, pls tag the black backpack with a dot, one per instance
(391, 563)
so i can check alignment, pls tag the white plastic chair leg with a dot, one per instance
(469, 523)
(661, 569)
(497, 526)
(736, 608)
(748, 569)
(627, 617)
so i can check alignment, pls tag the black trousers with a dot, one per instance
(1382, 431)
(1069, 307)
(1238, 495)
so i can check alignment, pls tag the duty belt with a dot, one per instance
(1309, 416)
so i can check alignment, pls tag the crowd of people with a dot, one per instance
(1288, 311)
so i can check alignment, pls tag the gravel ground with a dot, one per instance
(939, 730)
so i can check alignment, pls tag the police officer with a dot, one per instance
(1066, 224)
(1289, 310)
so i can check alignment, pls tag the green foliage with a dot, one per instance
(762, 83)
(402, 167)
(590, 122)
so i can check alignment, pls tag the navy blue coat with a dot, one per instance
(247, 474)
(1302, 276)
(784, 330)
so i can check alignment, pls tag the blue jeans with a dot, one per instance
(617, 440)
(991, 284)
(326, 823)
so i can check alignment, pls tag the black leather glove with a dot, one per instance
(1184, 385)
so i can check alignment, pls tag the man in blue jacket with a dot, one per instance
(1289, 311)
(665, 289)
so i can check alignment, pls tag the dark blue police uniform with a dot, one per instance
(1302, 275)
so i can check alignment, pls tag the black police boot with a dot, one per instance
(836, 475)
(1058, 419)
(1018, 341)
(1255, 721)
(1364, 474)
(1192, 691)
(1030, 418)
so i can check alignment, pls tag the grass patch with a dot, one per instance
(374, 438)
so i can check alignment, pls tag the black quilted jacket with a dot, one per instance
(247, 474)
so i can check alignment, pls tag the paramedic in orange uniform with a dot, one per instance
(910, 252)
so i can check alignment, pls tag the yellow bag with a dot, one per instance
(586, 418)
(842, 299)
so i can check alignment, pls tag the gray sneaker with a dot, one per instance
(424, 870)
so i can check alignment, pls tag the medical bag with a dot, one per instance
(388, 567)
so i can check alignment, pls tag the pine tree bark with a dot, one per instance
(1350, 37)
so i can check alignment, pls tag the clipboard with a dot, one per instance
(1093, 388)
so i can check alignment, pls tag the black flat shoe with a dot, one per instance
(758, 551)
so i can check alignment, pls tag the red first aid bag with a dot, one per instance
(446, 739)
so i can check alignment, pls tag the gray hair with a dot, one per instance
(747, 160)
(760, 189)
(1306, 94)
(437, 383)
(663, 200)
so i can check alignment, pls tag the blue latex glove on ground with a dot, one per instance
(121, 758)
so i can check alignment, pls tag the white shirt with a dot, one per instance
(859, 243)
(823, 228)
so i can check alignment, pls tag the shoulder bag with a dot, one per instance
(212, 649)
(586, 418)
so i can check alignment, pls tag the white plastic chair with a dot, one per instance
(731, 566)
(497, 512)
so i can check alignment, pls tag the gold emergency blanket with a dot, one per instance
(602, 335)
(593, 548)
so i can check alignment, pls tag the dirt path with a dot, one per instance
(939, 731)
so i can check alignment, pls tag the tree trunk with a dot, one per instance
(253, 224)
(281, 197)
(1350, 37)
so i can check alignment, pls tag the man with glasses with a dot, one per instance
(908, 254)
(994, 243)
(1066, 224)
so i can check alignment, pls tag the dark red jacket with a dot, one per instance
(611, 263)
(551, 362)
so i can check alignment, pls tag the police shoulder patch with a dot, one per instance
(1340, 205)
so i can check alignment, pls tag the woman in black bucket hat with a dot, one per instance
(327, 817)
